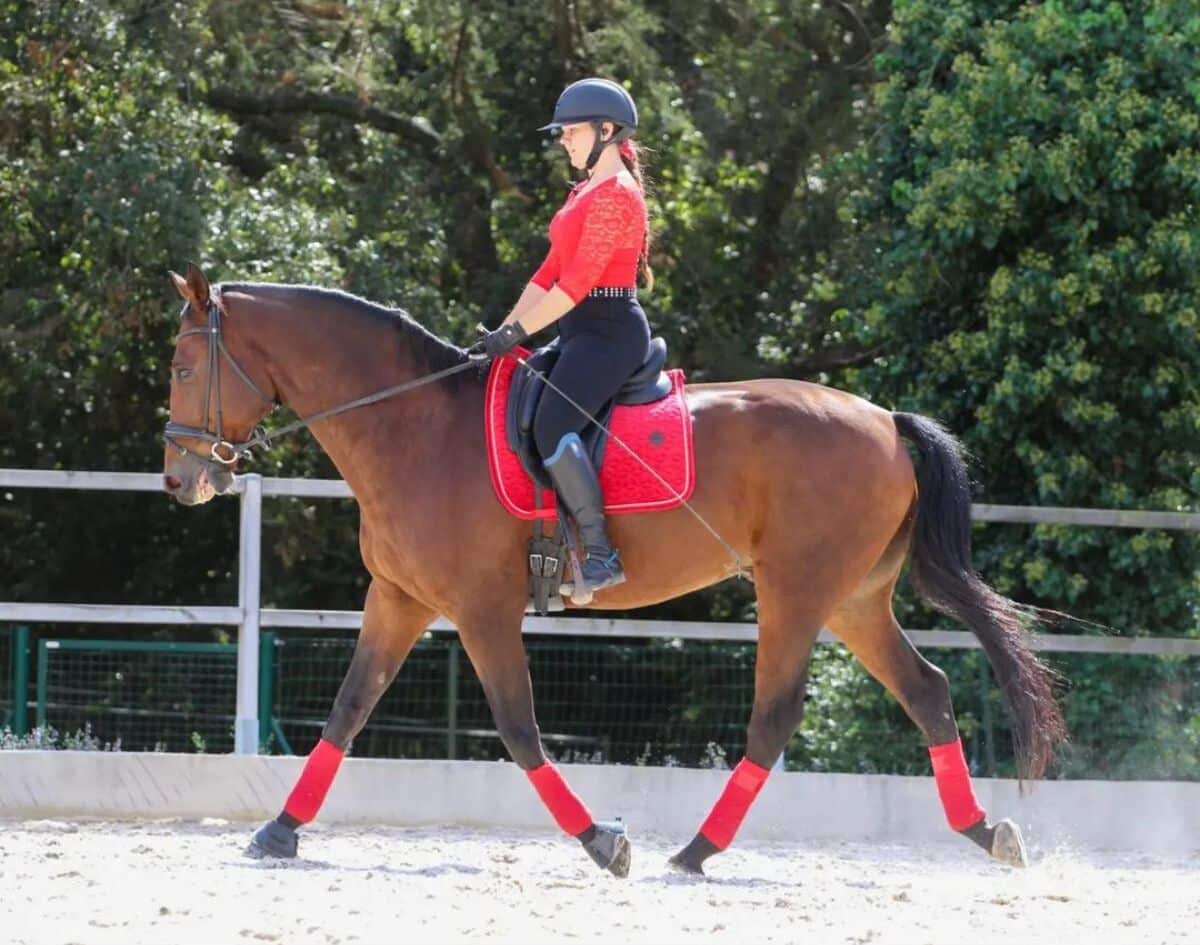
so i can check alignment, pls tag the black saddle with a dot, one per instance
(645, 385)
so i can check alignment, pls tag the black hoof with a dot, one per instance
(273, 839)
(684, 865)
(610, 847)
(691, 858)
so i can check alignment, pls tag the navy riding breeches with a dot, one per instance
(604, 340)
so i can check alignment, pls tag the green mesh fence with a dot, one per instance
(1145, 727)
(629, 701)
(144, 696)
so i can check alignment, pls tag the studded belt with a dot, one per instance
(612, 292)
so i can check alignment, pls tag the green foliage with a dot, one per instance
(1030, 212)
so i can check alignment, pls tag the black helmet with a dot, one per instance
(596, 100)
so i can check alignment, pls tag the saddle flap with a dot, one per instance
(525, 393)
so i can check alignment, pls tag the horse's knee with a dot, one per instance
(523, 741)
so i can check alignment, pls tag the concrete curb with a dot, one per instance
(1144, 816)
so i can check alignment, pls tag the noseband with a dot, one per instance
(222, 451)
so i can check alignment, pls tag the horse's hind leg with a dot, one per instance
(392, 622)
(790, 617)
(497, 652)
(869, 629)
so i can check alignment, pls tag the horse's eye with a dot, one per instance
(183, 373)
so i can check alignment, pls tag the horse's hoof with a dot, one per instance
(273, 839)
(684, 864)
(610, 847)
(691, 858)
(1007, 845)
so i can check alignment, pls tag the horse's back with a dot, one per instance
(793, 403)
(775, 431)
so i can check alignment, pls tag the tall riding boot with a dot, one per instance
(575, 480)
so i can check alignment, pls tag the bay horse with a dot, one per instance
(812, 487)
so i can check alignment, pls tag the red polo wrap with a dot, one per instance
(319, 770)
(954, 785)
(727, 814)
(564, 806)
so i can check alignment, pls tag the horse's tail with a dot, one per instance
(944, 577)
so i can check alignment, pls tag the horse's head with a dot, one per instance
(216, 403)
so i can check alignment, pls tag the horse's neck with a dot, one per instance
(320, 361)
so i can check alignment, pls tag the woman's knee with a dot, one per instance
(549, 428)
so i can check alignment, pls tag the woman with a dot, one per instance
(587, 284)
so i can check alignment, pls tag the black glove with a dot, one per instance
(504, 338)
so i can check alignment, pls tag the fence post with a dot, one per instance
(245, 734)
(20, 655)
(266, 688)
(43, 680)
(452, 700)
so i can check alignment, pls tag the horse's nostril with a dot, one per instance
(172, 483)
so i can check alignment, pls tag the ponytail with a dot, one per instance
(631, 157)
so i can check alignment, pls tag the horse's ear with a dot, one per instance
(181, 286)
(198, 285)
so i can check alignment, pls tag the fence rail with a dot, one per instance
(249, 616)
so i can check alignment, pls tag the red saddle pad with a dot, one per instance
(660, 433)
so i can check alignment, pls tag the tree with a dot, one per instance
(1029, 219)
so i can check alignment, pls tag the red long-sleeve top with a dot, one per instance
(595, 239)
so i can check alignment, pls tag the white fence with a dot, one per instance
(249, 615)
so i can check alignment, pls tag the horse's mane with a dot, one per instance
(438, 352)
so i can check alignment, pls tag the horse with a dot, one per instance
(813, 490)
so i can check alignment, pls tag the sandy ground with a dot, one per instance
(173, 882)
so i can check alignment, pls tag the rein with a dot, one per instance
(260, 435)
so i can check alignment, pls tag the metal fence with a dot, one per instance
(631, 701)
(464, 726)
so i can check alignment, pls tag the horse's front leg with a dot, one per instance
(392, 622)
(497, 652)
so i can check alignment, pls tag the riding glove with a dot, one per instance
(496, 343)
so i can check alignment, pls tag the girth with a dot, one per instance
(646, 385)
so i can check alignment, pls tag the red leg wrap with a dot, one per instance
(564, 805)
(309, 793)
(954, 785)
(727, 814)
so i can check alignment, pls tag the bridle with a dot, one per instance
(260, 436)
(216, 352)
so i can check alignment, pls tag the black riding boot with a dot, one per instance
(575, 480)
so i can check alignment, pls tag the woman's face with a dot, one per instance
(577, 141)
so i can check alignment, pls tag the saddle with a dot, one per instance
(646, 385)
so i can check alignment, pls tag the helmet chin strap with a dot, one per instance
(598, 145)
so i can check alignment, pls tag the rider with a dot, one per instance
(599, 242)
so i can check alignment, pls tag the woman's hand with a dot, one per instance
(500, 341)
